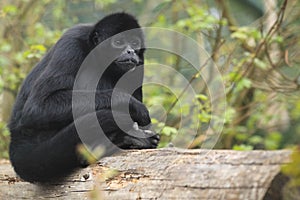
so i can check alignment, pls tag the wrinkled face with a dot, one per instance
(130, 48)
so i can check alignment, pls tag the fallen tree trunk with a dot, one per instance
(161, 174)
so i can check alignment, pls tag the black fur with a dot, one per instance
(43, 136)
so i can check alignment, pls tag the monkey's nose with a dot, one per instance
(129, 50)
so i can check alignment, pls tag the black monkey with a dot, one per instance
(43, 135)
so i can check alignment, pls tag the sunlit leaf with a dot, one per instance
(242, 147)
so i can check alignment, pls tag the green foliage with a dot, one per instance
(256, 112)
(4, 139)
(198, 19)
(9, 10)
(243, 83)
(293, 168)
(242, 147)
(104, 3)
(161, 6)
(246, 33)
(166, 132)
(250, 122)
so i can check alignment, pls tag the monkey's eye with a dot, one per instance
(135, 43)
(118, 42)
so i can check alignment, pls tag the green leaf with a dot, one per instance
(41, 48)
(243, 83)
(10, 9)
(202, 97)
(161, 6)
(6, 47)
(243, 147)
(292, 169)
(255, 139)
(168, 131)
(241, 137)
(273, 140)
(239, 35)
(260, 64)
(229, 114)
(204, 117)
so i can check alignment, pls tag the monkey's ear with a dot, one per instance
(95, 37)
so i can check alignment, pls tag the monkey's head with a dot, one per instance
(125, 38)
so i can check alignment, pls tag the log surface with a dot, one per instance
(159, 174)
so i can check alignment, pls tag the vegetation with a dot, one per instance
(254, 44)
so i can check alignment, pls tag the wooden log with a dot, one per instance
(160, 174)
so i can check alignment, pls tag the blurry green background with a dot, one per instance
(260, 63)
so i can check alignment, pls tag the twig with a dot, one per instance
(195, 76)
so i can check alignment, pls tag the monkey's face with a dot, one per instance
(129, 51)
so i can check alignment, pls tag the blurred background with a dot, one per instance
(254, 43)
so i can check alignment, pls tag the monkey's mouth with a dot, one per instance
(128, 62)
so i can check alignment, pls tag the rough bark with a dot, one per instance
(161, 174)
